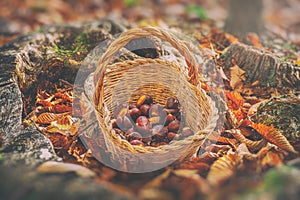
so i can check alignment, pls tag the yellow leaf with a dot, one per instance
(223, 168)
(47, 118)
(298, 62)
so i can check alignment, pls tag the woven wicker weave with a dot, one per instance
(126, 81)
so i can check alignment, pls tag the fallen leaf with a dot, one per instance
(253, 109)
(274, 136)
(237, 76)
(271, 159)
(60, 108)
(193, 174)
(243, 152)
(157, 181)
(52, 167)
(252, 145)
(223, 168)
(196, 164)
(47, 118)
(253, 39)
(234, 100)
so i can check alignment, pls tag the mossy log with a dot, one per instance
(262, 67)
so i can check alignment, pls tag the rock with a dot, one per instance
(29, 148)
(22, 182)
(11, 111)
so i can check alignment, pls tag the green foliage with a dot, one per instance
(197, 10)
(130, 3)
(274, 181)
(80, 45)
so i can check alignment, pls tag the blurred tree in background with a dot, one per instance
(245, 16)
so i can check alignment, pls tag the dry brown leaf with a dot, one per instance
(193, 174)
(252, 145)
(215, 148)
(157, 181)
(223, 168)
(239, 114)
(253, 39)
(231, 38)
(271, 159)
(52, 167)
(253, 109)
(234, 100)
(208, 157)
(62, 129)
(199, 166)
(274, 136)
(60, 108)
(237, 76)
(244, 152)
(47, 118)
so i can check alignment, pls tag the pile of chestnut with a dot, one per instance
(147, 123)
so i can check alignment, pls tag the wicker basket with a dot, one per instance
(127, 81)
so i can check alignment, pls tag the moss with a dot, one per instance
(283, 113)
(78, 46)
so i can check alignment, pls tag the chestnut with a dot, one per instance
(127, 123)
(169, 119)
(131, 105)
(145, 110)
(146, 140)
(142, 125)
(162, 143)
(156, 129)
(154, 144)
(174, 126)
(118, 131)
(155, 110)
(114, 123)
(186, 131)
(171, 111)
(154, 120)
(134, 113)
(131, 130)
(171, 136)
(161, 134)
(180, 116)
(144, 99)
(134, 136)
(119, 122)
(136, 142)
(142, 121)
(172, 103)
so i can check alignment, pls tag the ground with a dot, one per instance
(254, 150)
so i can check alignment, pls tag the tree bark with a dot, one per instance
(245, 16)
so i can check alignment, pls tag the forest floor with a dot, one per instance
(241, 159)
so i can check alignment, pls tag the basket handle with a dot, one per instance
(134, 33)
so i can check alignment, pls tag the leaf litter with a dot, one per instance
(244, 148)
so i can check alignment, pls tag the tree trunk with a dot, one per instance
(245, 16)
